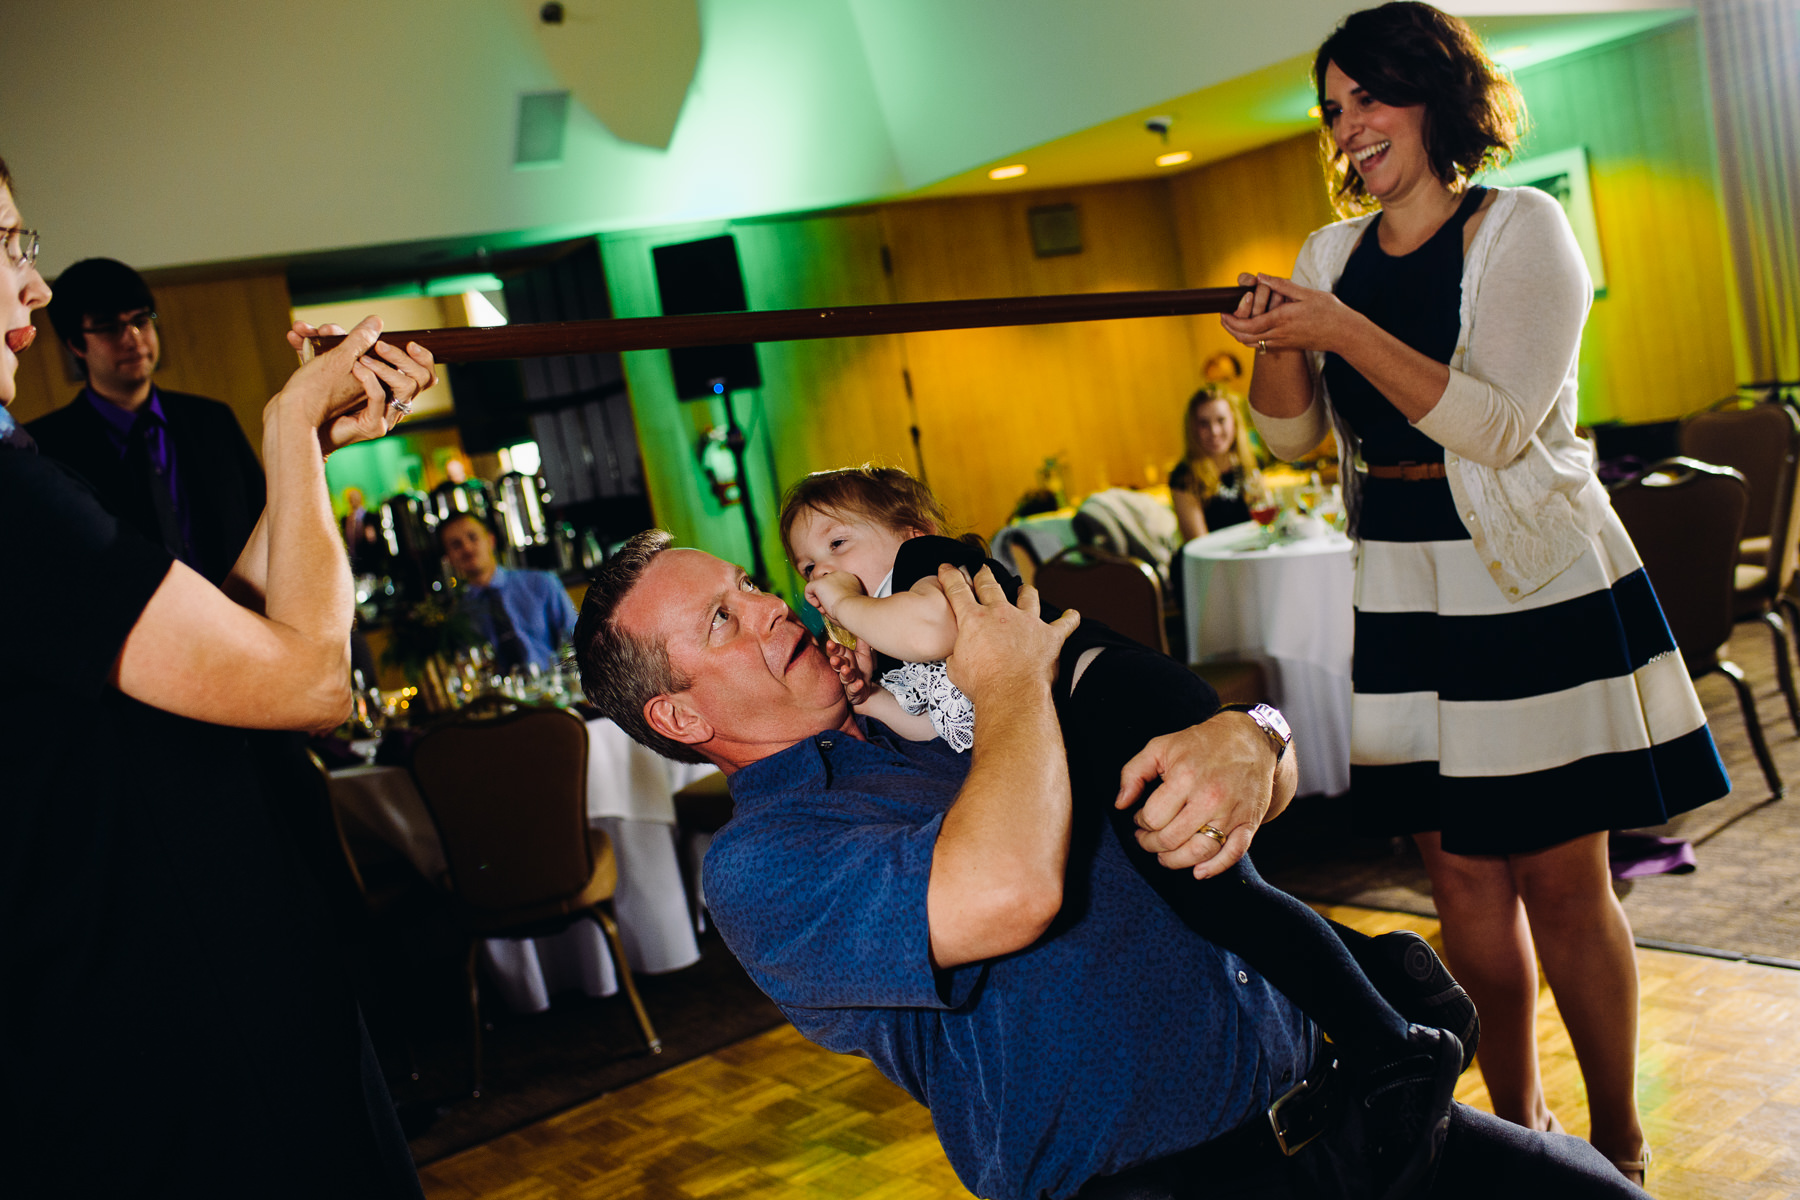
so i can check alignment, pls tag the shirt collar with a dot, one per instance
(120, 421)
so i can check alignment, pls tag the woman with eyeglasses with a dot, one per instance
(1516, 691)
(175, 1019)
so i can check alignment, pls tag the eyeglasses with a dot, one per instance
(21, 246)
(142, 322)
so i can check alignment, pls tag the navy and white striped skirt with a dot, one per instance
(1513, 727)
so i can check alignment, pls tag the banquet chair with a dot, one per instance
(1685, 518)
(1762, 443)
(1126, 594)
(702, 808)
(508, 795)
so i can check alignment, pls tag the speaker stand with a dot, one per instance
(736, 442)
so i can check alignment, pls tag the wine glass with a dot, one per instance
(1264, 508)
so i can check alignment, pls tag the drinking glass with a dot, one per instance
(1263, 506)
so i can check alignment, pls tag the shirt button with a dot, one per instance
(1514, 591)
(1243, 978)
(1494, 566)
(825, 743)
(1471, 516)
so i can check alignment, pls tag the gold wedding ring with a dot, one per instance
(1262, 347)
(1215, 834)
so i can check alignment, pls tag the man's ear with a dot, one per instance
(677, 720)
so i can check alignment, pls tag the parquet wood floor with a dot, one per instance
(775, 1116)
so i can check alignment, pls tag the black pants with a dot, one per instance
(1484, 1157)
(1129, 695)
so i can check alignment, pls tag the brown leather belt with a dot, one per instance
(1412, 472)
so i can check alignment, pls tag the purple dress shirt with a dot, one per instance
(160, 447)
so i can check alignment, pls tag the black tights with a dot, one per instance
(1128, 695)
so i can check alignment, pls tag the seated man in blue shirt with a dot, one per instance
(526, 616)
(948, 917)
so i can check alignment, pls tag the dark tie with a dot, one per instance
(143, 461)
(509, 649)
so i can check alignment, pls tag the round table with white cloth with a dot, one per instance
(1289, 607)
(629, 795)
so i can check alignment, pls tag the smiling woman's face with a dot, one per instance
(21, 290)
(1385, 143)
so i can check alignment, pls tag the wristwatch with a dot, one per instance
(1269, 719)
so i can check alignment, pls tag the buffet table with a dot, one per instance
(629, 795)
(1288, 606)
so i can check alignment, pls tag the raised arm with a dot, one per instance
(997, 869)
(274, 652)
(916, 625)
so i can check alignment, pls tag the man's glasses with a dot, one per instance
(142, 322)
(21, 246)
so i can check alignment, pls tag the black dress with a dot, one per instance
(1226, 506)
(176, 1022)
(1506, 726)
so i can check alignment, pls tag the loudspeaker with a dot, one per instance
(704, 277)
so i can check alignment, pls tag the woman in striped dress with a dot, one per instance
(1517, 693)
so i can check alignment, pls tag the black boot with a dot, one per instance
(1421, 989)
(1397, 1114)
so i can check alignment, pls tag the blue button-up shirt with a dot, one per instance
(536, 602)
(1119, 1037)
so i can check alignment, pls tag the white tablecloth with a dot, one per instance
(1288, 606)
(630, 792)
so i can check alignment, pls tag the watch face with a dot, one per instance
(1271, 718)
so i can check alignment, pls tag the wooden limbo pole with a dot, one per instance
(798, 324)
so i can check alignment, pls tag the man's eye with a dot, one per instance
(719, 617)
(747, 584)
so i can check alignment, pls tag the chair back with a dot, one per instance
(508, 795)
(1122, 592)
(1761, 443)
(1685, 517)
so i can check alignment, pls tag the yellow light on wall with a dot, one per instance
(1174, 158)
(1012, 172)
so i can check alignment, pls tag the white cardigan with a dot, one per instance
(1523, 480)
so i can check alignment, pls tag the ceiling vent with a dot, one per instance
(543, 121)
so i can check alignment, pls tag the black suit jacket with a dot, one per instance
(220, 478)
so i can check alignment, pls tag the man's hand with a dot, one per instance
(1000, 649)
(1220, 773)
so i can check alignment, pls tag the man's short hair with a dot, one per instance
(460, 515)
(95, 287)
(621, 672)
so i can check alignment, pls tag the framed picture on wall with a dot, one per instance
(1564, 175)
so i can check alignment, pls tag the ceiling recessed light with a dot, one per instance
(1174, 158)
(1315, 112)
(1012, 172)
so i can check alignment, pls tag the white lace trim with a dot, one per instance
(926, 688)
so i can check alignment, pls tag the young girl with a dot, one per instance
(867, 542)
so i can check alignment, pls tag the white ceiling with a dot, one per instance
(175, 132)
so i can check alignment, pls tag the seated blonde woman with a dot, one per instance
(1207, 486)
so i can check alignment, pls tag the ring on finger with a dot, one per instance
(1262, 346)
(1216, 834)
(402, 407)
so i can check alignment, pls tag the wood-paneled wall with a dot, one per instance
(222, 338)
(991, 404)
(1658, 344)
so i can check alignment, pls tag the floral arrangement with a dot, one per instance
(430, 629)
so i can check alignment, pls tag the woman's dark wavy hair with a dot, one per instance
(1407, 53)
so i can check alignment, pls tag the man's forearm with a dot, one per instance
(997, 870)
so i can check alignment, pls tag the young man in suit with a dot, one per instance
(176, 468)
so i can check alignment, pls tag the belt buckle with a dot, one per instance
(1284, 1135)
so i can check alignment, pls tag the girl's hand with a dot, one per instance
(1281, 315)
(826, 591)
(855, 669)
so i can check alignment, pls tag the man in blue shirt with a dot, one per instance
(945, 916)
(526, 615)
